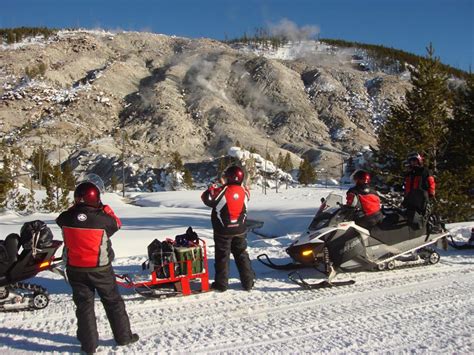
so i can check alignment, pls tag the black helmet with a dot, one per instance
(414, 156)
(361, 177)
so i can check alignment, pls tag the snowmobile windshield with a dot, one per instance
(333, 200)
(94, 179)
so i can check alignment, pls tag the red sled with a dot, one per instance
(173, 278)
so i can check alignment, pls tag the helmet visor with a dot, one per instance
(93, 179)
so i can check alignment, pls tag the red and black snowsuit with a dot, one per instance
(367, 204)
(88, 253)
(229, 212)
(420, 178)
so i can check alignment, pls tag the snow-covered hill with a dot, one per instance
(418, 310)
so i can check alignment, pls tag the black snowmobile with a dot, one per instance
(335, 242)
(38, 249)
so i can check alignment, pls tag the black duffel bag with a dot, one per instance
(35, 234)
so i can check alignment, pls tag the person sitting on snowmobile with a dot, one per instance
(365, 200)
(87, 227)
(229, 212)
(419, 186)
(418, 177)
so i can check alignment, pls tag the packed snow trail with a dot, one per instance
(427, 309)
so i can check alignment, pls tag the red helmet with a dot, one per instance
(88, 194)
(412, 157)
(361, 177)
(234, 175)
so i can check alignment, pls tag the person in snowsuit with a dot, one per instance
(419, 190)
(418, 177)
(87, 227)
(365, 201)
(229, 212)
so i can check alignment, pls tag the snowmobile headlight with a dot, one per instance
(44, 264)
(307, 252)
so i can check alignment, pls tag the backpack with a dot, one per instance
(190, 238)
(160, 254)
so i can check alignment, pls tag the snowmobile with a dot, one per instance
(336, 242)
(298, 250)
(16, 295)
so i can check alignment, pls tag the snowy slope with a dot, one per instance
(421, 310)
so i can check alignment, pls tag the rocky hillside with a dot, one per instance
(86, 93)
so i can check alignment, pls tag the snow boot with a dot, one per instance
(218, 288)
(133, 339)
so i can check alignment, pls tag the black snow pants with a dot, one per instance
(237, 245)
(84, 284)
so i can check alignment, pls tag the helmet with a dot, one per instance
(88, 191)
(414, 156)
(361, 177)
(88, 194)
(234, 175)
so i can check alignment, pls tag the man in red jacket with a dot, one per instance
(365, 200)
(229, 212)
(87, 227)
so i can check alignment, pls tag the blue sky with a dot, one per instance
(405, 24)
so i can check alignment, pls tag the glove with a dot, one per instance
(108, 210)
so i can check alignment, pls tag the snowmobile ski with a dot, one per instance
(296, 278)
(272, 265)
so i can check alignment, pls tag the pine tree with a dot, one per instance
(461, 130)
(287, 164)
(68, 179)
(31, 200)
(280, 161)
(114, 182)
(222, 165)
(176, 162)
(307, 174)
(188, 178)
(6, 182)
(420, 123)
(20, 202)
(43, 169)
(268, 157)
(48, 204)
(455, 183)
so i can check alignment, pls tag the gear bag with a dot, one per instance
(190, 238)
(193, 253)
(35, 235)
(160, 254)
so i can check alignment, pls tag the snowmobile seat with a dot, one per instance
(9, 251)
(27, 264)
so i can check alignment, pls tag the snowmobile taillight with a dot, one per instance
(307, 252)
(44, 264)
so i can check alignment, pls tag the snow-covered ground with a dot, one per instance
(417, 310)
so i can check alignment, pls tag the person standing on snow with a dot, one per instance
(365, 200)
(87, 227)
(229, 212)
